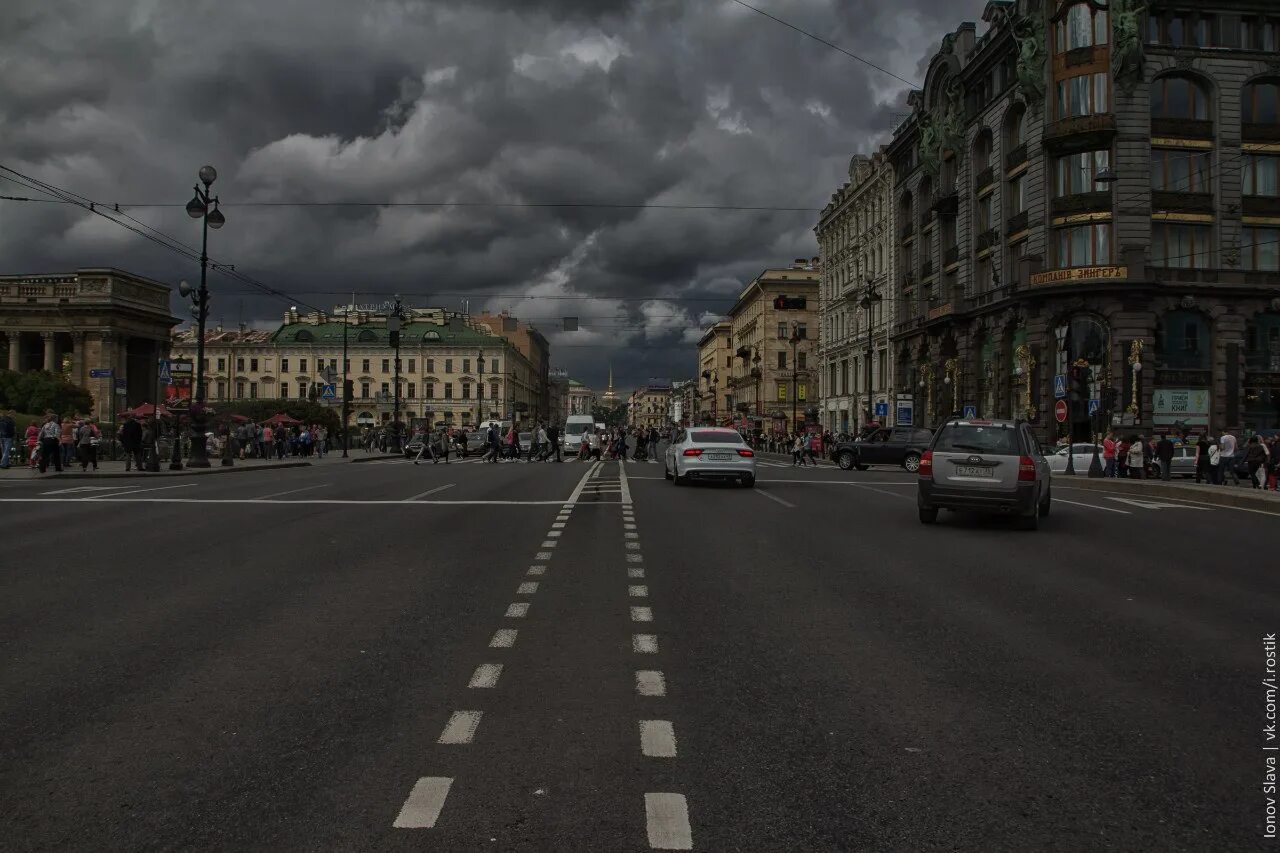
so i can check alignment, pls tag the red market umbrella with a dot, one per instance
(146, 410)
(240, 419)
(281, 419)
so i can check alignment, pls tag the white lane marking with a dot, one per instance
(666, 819)
(106, 499)
(775, 498)
(658, 738)
(632, 546)
(527, 588)
(642, 614)
(628, 526)
(518, 610)
(422, 809)
(631, 535)
(557, 525)
(644, 644)
(1181, 501)
(651, 682)
(461, 727)
(75, 489)
(550, 543)
(537, 570)
(626, 489)
(1147, 504)
(486, 675)
(291, 492)
(136, 492)
(639, 591)
(503, 638)
(881, 491)
(542, 555)
(635, 558)
(430, 492)
(552, 534)
(573, 498)
(1091, 506)
(635, 573)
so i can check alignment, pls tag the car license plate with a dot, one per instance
(973, 471)
(719, 457)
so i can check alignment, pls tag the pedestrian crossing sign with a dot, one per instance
(166, 377)
(1059, 386)
(1094, 405)
(330, 392)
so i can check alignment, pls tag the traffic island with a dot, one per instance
(1240, 497)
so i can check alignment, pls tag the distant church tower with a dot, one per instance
(610, 397)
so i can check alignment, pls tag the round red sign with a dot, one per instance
(1060, 411)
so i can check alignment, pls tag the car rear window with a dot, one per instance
(708, 436)
(972, 438)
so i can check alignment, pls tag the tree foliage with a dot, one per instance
(35, 391)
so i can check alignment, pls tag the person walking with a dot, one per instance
(131, 443)
(1164, 453)
(812, 447)
(1255, 456)
(553, 436)
(1137, 460)
(86, 445)
(32, 441)
(797, 451)
(1109, 455)
(50, 443)
(543, 441)
(1215, 462)
(1227, 463)
(8, 434)
(67, 439)
(268, 442)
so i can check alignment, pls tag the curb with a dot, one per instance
(186, 472)
(376, 458)
(1213, 495)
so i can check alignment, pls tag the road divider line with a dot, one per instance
(635, 573)
(667, 821)
(557, 525)
(431, 492)
(642, 614)
(137, 492)
(518, 610)
(426, 800)
(644, 644)
(1092, 506)
(549, 543)
(461, 727)
(657, 739)
(527, 588)
(626, 489)
(485, 676)
(542, 555)
(291, 492)
(632, 546)
(638, 591)
(635, 558)
(651, 682)
(577, 491)
(503, 638)
(628, 526)
(775, 498)
(631, 534)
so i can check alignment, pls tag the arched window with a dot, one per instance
(1183, 342)
(1260, 102)
(1179, 98)
(982, 150)
(1015, 128)
(304, 337)
(1082, 26)
(366, 336)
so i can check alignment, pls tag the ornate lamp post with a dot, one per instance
(870, 298)
(204, 207)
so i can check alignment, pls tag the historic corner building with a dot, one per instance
(102, 329)
(1089, 190)
(856, 299)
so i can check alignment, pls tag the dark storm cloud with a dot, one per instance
(603, 101)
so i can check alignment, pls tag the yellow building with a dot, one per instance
(715, 366)
(773, 334)
(650, 405)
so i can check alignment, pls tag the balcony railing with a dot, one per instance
(950, 256)
(1095, 202)
(1016, 157)
(1182, 128)
(1261, 206)
(1016, 223)
(1260, 132)
(1081, 132)
(948, 205)
(985, 178)
(986, 239)
(1182, 201)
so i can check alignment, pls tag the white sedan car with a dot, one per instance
(1082, 453)
(709, 453)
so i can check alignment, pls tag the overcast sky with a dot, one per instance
(606, 101)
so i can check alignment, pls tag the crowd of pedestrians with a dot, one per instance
(1217, 459)
(274, 439)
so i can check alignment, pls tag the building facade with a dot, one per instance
(715, 364)
(773, 335)
(86, 324)
(582, 400)
(649, 406)
(1088, 212)
(451, 372)
(534, 346)
(856, 299)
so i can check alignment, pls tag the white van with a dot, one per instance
(574, 427)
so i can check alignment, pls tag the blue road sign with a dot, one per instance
(1094, 405)
(1059, 386)
(165, 374)
(970, 411)
(101, 372)
(882, 410)
(906, 415)
(330, 392)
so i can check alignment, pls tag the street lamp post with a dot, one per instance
(870, 297)
(204, 207)
(393, 327)
(479, 387)
(346, 383)
(795, 374)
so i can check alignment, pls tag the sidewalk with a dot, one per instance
(1241, 497)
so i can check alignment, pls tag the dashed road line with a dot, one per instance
(651, 682)
(635, 573)
(518, 610)
(645, 644)
(657, 739)
(422, 809)
(429, 492)
(550, 543)
(527, 588)
(461, 727)
(638, 591)
(503, 638)
(485, 676)
(542, 555)
(537, 570)
(105, 498)
(641, 614)
(290, 492)
(775, 498)
(635, 558)
(667, 821)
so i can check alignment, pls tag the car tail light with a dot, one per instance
(746, 453)
(693, 451)
(926, 464)
(1026, 469)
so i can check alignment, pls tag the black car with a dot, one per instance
(901, 446)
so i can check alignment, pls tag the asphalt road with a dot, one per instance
(575, 657)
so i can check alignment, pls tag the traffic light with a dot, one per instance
(789, 303)
(1077, 388)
